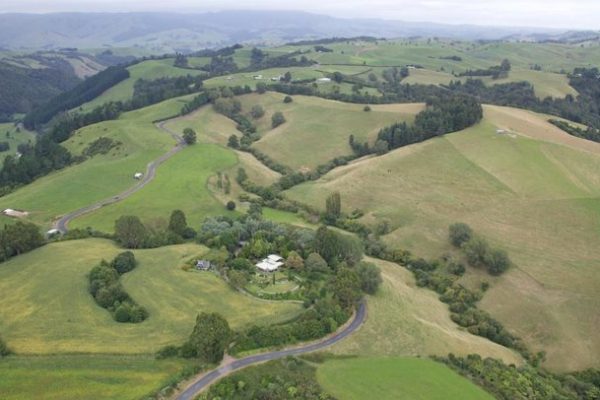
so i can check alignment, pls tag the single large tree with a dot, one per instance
(333, 206)
(189, 136)
(178, 223)
(346, 287)
(459, 233)
(130, 232)
(370, 277)
(210, 337)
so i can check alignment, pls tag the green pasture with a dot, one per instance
(395, 379)
(56, 314)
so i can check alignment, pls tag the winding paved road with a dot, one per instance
(62, 223)
(203, 381)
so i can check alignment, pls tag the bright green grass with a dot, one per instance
(545, 84)
(56, 314)
(103, 175)
(247, 78)
(537, 198)
(317, 130)
(180, 183)
(84, 377)
(14, 139)
(286, 217)
(396, 379)
(151, 69)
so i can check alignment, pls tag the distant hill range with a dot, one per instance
(167, 32)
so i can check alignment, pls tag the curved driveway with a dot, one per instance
(205, 380)
(62, 223)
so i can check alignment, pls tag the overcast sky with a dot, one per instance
(577, 14)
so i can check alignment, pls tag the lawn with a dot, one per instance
(534, 191)
(86, 377)
(395, 379)
(8, 133)
(317, 130)
(56, 314)
(102, 176)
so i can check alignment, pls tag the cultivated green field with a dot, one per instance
(150, 69)
(317, 130)
(180, 183)
(84, 377)
(8, 133)
(410, 321)
(56, 314)
(534, 191)
(103, 175)
(395, 379)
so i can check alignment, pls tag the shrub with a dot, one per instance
(287, 99)
(459, 233)
(124, 262)
(370, 277)
(277, 119)
(189, 136)
(496, 261)
(257, 111)
(4, 350)
(230, 205)
(367, 108)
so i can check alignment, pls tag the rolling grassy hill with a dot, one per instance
(56, 314)
(84, 377)
(317, 130)
(150, 69)
(531, 191)
(395, 379)
(103, 175)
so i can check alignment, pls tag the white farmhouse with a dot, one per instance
(271, 263)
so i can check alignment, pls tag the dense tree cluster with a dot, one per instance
(477, 250)
(102, 145)
(509, 382)
(496, 72)
(110, 294)
(131, 233)
(443, 114)
(151, 91)
(19, 238)
(289, 378)
(209, 339)
(589, 133)
(85, 91)
(23, 89)
(262, 60)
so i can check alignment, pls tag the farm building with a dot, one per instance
(9, 212)
(53, 232)
(138, 175)
(271, 263)
(203, 265)
(323, 80)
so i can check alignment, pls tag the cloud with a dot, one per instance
(547, 13)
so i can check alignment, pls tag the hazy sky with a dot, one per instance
(578, 14)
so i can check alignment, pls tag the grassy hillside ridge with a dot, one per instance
(317, 130)
(533, 191)
(405, 320)
(8, 133)
(84, 377)
(56, 313)
(150, 69)
(103, 175)
(395, 378)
